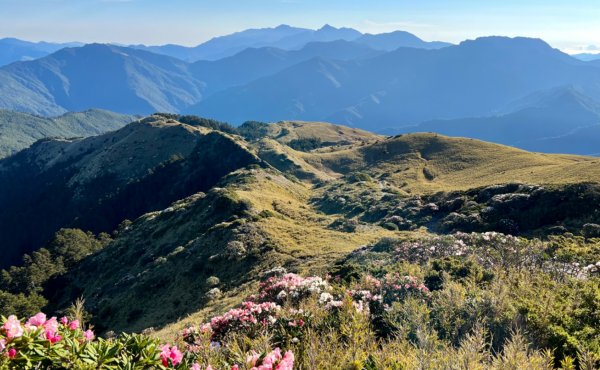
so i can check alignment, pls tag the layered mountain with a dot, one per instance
(133, 81)
(100, 76)
(347, 82)
(15, 50)
(406, 86)
(544, 117)
(228, 45)
(20, 130)
(255, 63)
(281, 37)
(323, 34)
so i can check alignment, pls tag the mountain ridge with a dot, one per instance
(20, 130)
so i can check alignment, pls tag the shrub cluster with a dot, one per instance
(469, 301)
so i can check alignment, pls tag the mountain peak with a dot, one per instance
(504, 41)
(327, 27)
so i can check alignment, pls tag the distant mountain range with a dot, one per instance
(15, 50)
(20, 130)
(132, 81)
(406, 86)
(282, 37)
(587, 57)
(392, 82)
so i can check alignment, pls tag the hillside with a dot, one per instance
(288, 131)
(200, 213)
(20, 130)
(98, 182)
(251, 222)
(205, 203)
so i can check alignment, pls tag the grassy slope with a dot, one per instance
(425, 163)
(286, 131)
(171, 253)
(299, 235)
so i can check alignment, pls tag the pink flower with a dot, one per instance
(53, 337)
(197, 367)
(271, 361)
(38, 320)
(2, 344)
(88, 335)
(170, 353)
(287, 362)
(12, 327)
(51, 326)
(12, 353)
(64, 320)
(74, 325)
(235, 367)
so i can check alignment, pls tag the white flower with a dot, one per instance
(325, 297)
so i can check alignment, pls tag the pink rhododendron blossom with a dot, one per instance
(74, 325)
(2, 344)
(287, 362)
(51, 326)
(171, 354)
(271, 361)
(88, 335)
(64, 320)
(12, 353)
(249, 316)
(197, 367)
(53, 337)
(12, 327)
(38, 320)
(290, 286)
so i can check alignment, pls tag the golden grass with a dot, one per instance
(286, 131)
(297, 228)
(454, 163)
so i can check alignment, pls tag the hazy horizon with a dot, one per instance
(570, 27)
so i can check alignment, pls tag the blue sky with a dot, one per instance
(571, 25)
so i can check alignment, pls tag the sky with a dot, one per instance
(570, 25)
